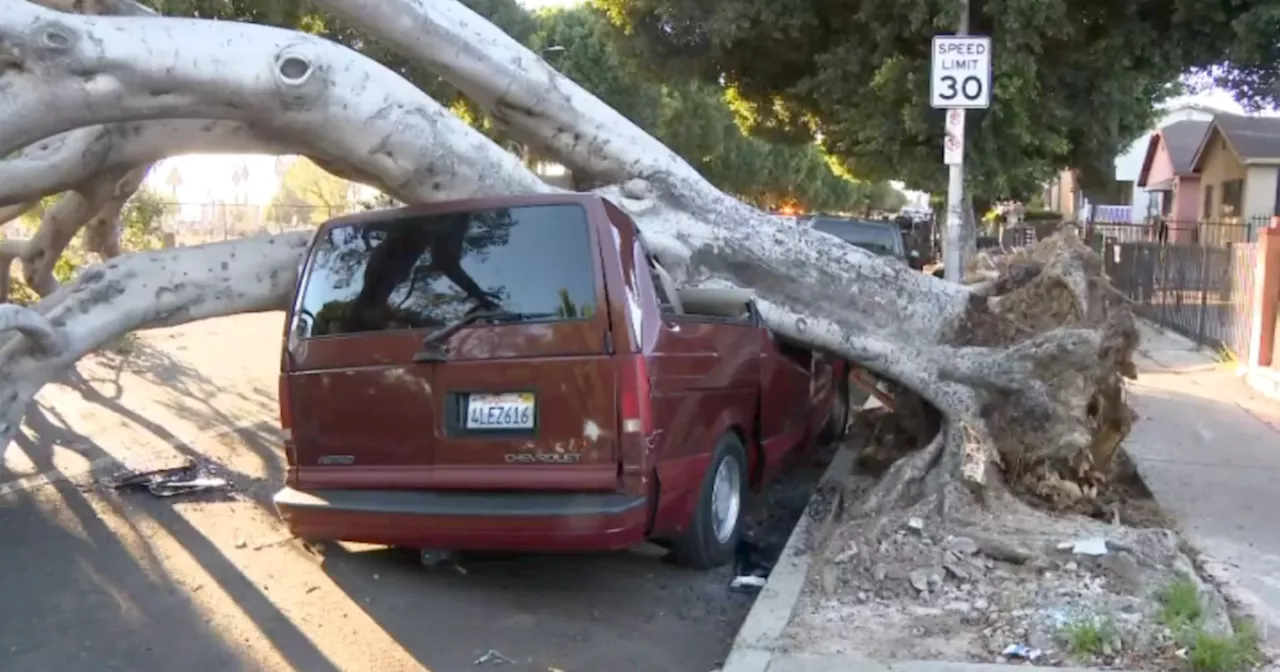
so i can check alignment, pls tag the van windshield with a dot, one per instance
(426, 271)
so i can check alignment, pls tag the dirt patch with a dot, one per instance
(986, 581)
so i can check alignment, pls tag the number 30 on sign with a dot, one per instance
(960, 72)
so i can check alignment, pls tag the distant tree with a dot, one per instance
(1075, 82)
(308, 194)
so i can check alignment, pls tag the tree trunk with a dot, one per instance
(1012, 374)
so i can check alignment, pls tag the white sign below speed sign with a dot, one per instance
(960, 72)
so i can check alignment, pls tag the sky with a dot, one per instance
(206, 178)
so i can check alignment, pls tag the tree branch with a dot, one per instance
(9, 250)
(63, 161)
(102, 232)
(82, 71)
(43, 334)
(540, 106)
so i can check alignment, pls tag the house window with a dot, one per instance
(1207, 206)
(1232, 198)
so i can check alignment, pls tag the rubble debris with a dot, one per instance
(1000, 549)
(1094, 546)
(169, 482)
(748, 584)
(1022, 652)
(492, 656)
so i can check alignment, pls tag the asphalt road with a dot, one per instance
(97, 579)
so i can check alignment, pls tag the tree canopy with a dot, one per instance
(1075, 82)
(693, 118)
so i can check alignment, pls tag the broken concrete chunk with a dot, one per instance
(961, 545)
(847, 554)
(957, 570)
(919, 579)
(1002, 550)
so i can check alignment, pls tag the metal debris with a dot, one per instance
(186, 479)
(1021, 651)
(748, 584)
(1094, 546)
(492, 656)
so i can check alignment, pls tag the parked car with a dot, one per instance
(519, 373)
(879, 237)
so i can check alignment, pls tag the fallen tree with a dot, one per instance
(1024, 369)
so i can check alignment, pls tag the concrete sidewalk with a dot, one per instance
(1208, 447)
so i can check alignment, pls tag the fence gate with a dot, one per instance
(1200, 291)
(1244, 258)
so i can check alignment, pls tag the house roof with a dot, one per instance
(1254, 140)
(1181, 140)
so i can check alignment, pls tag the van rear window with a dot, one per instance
(426, 271)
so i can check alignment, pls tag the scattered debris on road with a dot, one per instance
(493, 657)
(169, 482)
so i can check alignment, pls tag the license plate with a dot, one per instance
(501, 411)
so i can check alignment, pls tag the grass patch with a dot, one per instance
(1180, 604)
(1182, 612)
(1089, 636)
(1214, 653)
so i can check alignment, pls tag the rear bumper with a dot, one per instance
(535, 521)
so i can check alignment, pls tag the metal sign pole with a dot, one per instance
(960, 79)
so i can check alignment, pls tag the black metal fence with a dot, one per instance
(1202, 290)
(1217, 233)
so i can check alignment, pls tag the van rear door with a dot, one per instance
(520, 398)
(529, 401)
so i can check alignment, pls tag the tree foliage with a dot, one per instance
(694, 119)
(308, 194)
(1074, 82)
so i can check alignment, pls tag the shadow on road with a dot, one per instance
(82, 570)
(619, 611)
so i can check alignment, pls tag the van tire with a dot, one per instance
(700, 547)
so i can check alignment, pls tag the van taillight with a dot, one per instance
(633, 384)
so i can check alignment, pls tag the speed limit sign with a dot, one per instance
(960, 72)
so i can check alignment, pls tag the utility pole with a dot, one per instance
(960, 80)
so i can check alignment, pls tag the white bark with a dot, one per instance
(69, 159)
(151, 289)
(13, 211)
(519, 89)
(83, 71)
(939, 339)
(102, 232)
(59, 225)
(10, 250)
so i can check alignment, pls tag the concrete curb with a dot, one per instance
(1264, 381)
(753, 647)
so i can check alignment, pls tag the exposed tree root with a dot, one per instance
(1058, 425)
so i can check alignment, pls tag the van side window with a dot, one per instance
(424, 271)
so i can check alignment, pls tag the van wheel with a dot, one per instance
(713, 533)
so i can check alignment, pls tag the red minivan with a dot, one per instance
(519, 373)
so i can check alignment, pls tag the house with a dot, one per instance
(1169, 178)
(1130, 202)
(1238, 160)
